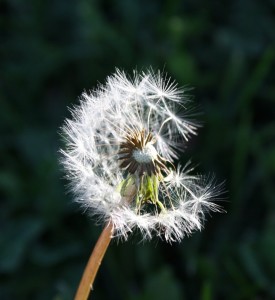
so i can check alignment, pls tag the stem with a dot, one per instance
(88, 277)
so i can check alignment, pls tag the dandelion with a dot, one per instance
(122, 144)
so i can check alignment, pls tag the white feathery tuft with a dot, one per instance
(93, 137)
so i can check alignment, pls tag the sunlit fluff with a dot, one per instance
(121, 146)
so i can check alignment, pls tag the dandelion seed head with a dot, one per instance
(122, 143)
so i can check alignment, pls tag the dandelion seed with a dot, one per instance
(121, 146)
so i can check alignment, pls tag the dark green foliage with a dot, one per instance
(50, 51)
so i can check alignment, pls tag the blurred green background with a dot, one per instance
(50, 51)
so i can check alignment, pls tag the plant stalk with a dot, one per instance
(88, 277)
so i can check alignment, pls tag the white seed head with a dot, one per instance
(121, 146)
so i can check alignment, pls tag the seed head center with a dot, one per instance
(138, 155)
(146, 154)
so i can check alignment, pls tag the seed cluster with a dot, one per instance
(120, 146)
(138, 155)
